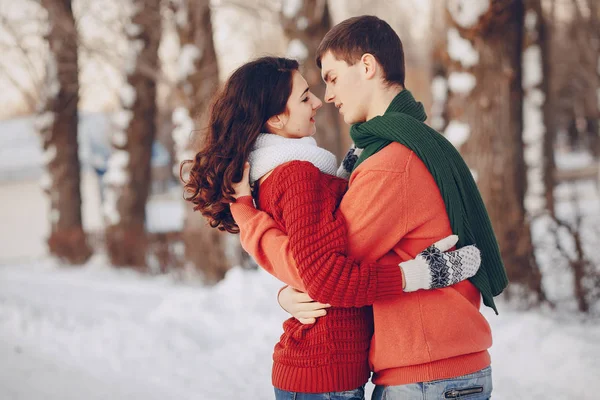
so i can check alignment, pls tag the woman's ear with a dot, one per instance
(277, 122)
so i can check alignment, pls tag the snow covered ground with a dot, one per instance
(99, 333)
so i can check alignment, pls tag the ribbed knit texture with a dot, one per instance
(332, 354)
(403, 122)
(304, 201)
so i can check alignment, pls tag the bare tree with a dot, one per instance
(485, 110)
(57, 124)
(198, 80)
(128, 177)
(439, 57)
(587, 31)
(305, 23)
(539, 127)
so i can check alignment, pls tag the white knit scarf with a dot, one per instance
(270, 151)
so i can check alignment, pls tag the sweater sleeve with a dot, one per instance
(318, 242)
(261, 238)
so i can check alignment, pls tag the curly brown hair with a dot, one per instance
(255, 92)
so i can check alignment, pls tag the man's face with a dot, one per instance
(345, 88)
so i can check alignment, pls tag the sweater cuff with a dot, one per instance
(243, 210)
(278, 293)
(247, 200)
(389, 281)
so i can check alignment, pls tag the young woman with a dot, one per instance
(265, 115)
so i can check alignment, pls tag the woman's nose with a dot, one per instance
(317, 103)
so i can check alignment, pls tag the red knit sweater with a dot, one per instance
(332, 354)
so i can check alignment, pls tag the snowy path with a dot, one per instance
(97, 333)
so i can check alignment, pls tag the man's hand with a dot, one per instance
(242, 188)
(301, 306)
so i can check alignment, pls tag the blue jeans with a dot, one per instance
(475, 386)
(356, 394)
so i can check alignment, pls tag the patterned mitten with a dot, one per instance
(434, 268)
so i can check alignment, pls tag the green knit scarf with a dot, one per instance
(403, 122)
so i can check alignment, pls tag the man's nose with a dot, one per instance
(328, 95)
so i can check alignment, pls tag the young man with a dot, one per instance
(408, 188)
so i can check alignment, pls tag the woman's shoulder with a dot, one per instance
(296, 169)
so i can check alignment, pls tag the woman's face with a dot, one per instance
(302, 105)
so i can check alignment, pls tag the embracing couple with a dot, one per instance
(365, 249)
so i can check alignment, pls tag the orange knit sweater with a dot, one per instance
(393, 210)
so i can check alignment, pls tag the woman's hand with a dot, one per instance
(301, 306)
(242, 188)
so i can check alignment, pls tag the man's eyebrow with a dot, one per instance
(326, 77)
(305, 90)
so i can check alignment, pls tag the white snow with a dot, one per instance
(135, 48)
(466, 13)
(461, 49)
(290, 8)
(533, 123)
(532, 66)
(297, 50)
(461, 82)
(109, 207)
(181, 14)
(574, 160)
(439, 95)
(475, 174)
(189, 55)
(118, 138)
(531, 19)
(302, 23)
(117, 168)
(184, 125)
(133, 30)
(127, 95)
(54, 216)
(98, 333)
(439, 89)
(44, 121)
(46, 181)
(457, 133)
(50, 154)
(52, 85)
(122, 118)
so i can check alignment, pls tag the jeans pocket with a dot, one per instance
(463, 393)
(476, 386)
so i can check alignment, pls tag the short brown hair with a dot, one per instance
(352, 38)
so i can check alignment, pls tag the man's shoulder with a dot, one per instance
(394, 158)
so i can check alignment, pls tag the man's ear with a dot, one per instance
(277, 122)
(369, 65)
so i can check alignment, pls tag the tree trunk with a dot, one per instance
(439, 61)
(538, 126)
(305, 23)
(57, 123)
(485, 108)
(205, 247)
(128, 177)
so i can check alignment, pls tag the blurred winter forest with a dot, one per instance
(100, 101)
